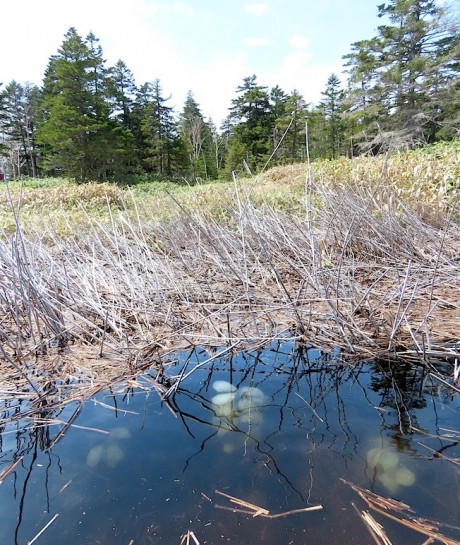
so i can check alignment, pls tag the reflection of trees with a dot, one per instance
(310, 392)
(313, 398)
(31, 437)
(401, 388)
(300, 383)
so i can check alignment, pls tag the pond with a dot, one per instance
(283, 428)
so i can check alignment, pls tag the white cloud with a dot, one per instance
(297, 72)
(145, 37)
(298, 42)
(256, 42)
(214, 99)
(256, 9)
(183, 9)
(293, 69)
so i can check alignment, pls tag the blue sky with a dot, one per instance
(207, 46)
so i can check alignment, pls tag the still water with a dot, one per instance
(280, 428)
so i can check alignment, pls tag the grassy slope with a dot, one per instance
(363, 255)
(430, 177)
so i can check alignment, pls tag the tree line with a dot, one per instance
(92, 122)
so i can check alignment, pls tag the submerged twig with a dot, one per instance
(43, 529)
(376, 530)
(383, 505)
(248, 508)
(185, 539)
(10, 468)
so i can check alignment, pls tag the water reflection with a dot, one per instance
(291, 423)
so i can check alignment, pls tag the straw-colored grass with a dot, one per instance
(362, 255)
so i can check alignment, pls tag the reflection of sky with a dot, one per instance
(320, 419)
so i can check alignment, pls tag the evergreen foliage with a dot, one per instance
(332, 109)
(93, 123)
(198, 140)
(403, 81)
(77, 134)
(18, 110)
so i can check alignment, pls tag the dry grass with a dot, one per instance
(352, 259)
(400, 513)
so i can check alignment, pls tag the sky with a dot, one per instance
(206, 46)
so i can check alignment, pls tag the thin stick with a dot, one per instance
(375, 529)
(258, 510)
(255, 510)
(10, 468)
(67, 484)
(185, 539)
(105, 432)
(311, 408)
(438, 454)
(43, 529)
(62, 432)
(295, 511)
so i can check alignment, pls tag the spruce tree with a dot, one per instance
(290, 128)
(18, 126)
(197, 137)
(401, 80)
(251, 122)
(332, 109)
(123, 92)
(77, 135)
(157, 132)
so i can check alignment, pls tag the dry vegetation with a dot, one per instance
(97, 283)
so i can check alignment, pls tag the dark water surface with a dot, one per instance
(147, 473)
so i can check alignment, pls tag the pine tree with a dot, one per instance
(77, 135)
(198, 139)
(332, 109)
(398, 79)
(251, 122)
(18, 126)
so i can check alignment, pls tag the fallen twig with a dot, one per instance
(10, 468)
(381, 505)
(185, 539)
(43, 529)
(256, 511)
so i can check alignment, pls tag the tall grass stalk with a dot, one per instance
(356, 266)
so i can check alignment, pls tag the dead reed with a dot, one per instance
(247, 508)
(359, 266)
(400, 513)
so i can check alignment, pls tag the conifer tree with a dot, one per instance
(78, 137)
(278, 100)
(332, 109)
(18, 126)
(251, 123)
(290, 127)
(197, 138)
(157, 131)
(399, 78)
(123, 92)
